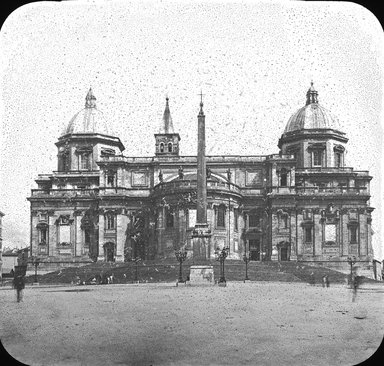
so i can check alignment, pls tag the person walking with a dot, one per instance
(355, 284)
(312, 279)
(18, 284)
(325, 281)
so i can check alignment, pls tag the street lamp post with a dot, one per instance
(136, 260)
(220, 256)
(351, 261)
(181, 256)
(246, 259)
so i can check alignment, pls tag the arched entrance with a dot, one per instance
(109, 252)
(284, 249)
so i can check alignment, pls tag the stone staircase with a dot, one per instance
(168, 271)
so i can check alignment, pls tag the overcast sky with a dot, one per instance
(253, 60)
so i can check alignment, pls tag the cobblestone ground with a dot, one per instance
(241, 324)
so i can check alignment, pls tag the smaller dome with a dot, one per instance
(89, 119)
(312, 116)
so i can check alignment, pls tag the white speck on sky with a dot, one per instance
(253, 60)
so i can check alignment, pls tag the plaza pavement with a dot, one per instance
(256, 323)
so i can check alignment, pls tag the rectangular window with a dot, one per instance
(191, 218)
(236, 218)
(308, 234)
(353, 231)
(283, 178)
(317, 158)
(43, 235)
(110, 222)
(169, 219)
(220, 221)
(254, 220)
(84, 161)
(87, 238)
(283, 221)
(254, 249)
(110, 180)
(64, 234)
(338, 160)
(330, 233)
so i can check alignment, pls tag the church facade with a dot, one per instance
(301, 204)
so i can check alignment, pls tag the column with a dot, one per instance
(78, 236)
(121, 227)
(100, 256)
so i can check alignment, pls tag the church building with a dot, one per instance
(301, 204)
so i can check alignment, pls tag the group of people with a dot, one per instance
(99, 279)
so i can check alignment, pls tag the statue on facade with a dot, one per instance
(229, 174)
(209, 173)
(161, 176)
(181, 172)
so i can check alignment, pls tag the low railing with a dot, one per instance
(187, 184)
(127, 159)
(64, 192)
(80, 173)
(330, 170)
(332, 190)
(123, 191)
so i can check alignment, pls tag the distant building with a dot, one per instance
(301, 204)
(10, 257)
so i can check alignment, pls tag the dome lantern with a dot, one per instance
(311, 95)
(90, 100)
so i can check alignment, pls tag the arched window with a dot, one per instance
(170, 147)
(161, 147)
(220, 216)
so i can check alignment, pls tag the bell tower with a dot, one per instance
(167, 141)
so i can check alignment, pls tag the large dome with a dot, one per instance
(88, 120)
(312, 116)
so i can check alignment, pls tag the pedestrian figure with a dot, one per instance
(18, 284)
(325, 282)
(355, 281)
(77, 280)
(312, 278)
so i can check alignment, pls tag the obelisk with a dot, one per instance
(201, 234)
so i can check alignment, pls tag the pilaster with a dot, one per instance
(101, 238)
